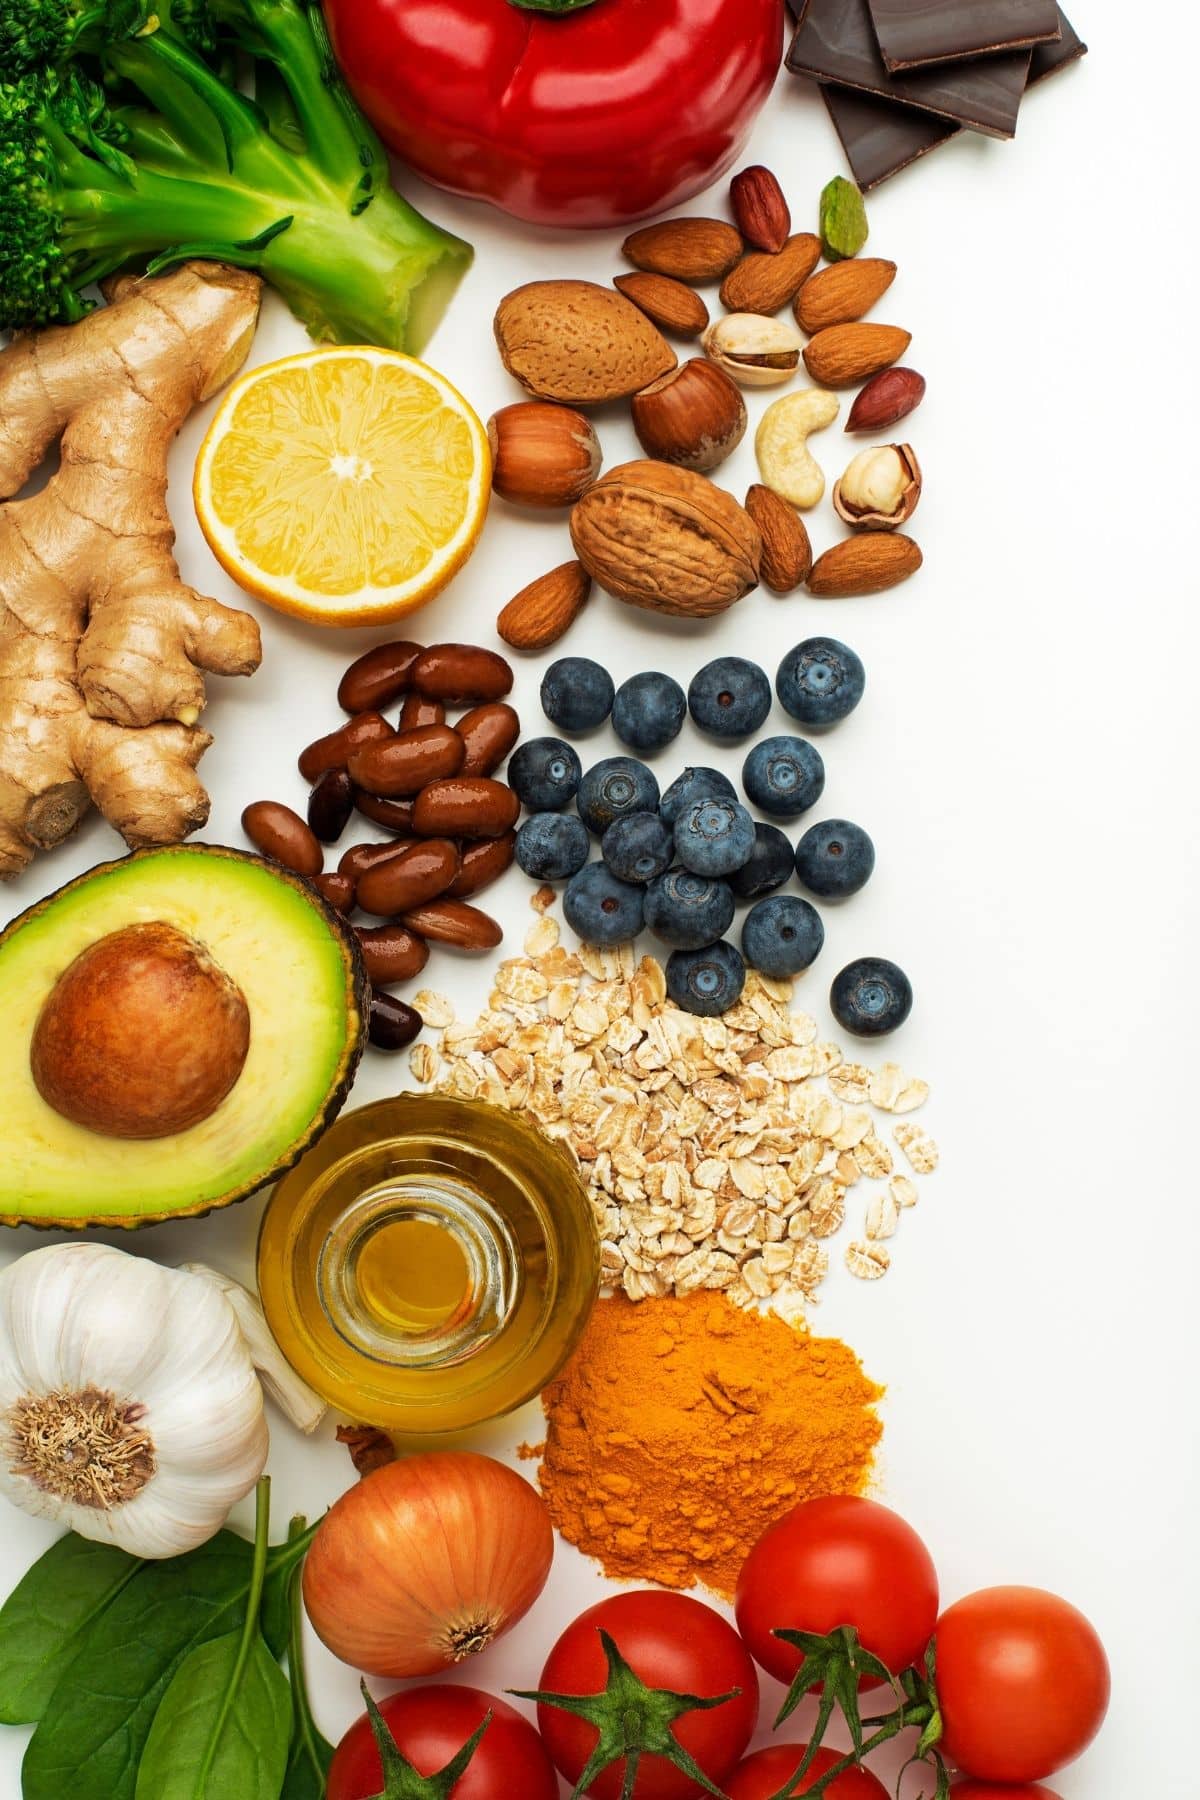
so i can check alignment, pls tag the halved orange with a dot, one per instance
(345, 486)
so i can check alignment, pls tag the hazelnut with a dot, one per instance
(693, 416)
(542, 454)
(756, 350)
(880, 488)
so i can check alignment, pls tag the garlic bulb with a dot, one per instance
(130, 1406)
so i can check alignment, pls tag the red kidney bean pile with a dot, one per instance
(432, 786)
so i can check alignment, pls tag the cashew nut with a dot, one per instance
(784, 458)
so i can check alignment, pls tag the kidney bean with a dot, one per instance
(407, 763)
(395, 814)
(482, 863)
(454, 922)
(330, 805)
(473, 808)
(390, 953)
(489, 732)
(335, 749)
(418, 874)
(418, 710)
(282, 835)
(377, 678)
(391, 1024)
(361, 857)
(461, 674)
(338, 890)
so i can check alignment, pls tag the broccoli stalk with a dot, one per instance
(168, 161)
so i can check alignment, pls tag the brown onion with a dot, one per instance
(426, 1561)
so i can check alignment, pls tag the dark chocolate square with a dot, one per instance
(916, 34)
(835, 42)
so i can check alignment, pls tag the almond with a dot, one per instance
(762, 283)
(541, 612)
(760, 208)
(671, 304)
(843, 292)
(787, 553)
(687, 249)
(843, 355)
(864, 565)
(578, 343)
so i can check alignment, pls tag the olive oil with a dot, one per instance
(429, 1264)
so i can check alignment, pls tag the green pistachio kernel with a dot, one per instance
(843, 220)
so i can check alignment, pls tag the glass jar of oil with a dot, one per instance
(430, 1264)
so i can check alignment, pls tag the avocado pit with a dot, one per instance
(142, 1036)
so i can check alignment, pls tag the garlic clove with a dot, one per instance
(291, 1394)
(880, 488)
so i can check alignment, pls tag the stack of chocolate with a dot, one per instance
(901, 77)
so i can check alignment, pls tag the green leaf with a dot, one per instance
(92, 1734)
(43, 1621)
(222, 1729)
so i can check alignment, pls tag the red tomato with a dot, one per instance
(670, 1641)
(838, 1561)
(987, 1790)
(1023, 1682)
(431, 1725)
(764, 1773)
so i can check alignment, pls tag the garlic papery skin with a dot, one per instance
(130, 1409)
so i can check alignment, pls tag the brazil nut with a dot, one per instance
(335, 749)
(405, 763)
(481, 864)
(377, 678)
(489, 733)
(461, 674)
(454, 922)
(281, 834)
(418, 874)
(330, 804)
(469, 807)
(390, 953)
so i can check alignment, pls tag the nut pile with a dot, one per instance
(430, 785)
(718, 1153)
(657, 533)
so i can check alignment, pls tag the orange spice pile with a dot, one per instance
(683, 1427)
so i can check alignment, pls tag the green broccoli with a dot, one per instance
(123, 145)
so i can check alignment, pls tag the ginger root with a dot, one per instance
(102, 646)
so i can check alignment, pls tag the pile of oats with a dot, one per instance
(718, 1153)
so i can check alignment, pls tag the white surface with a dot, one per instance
(1024, 761)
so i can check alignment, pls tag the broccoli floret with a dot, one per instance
(139, 153)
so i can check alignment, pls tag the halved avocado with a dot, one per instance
(297, 965)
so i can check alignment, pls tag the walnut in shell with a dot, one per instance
(667, 539)
(578, 343)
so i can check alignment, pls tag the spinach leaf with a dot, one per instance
(222, 1728)
(309, 1754)
(44, 1618)
(94, 1730)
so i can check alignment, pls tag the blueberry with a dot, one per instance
(648, 711)
(552, 846)
(694, 784)
(714, 836)
(577, 694)
(784, 776)
(770, 864)
(782, 935)
(543, 773)
(834, 859)
(820, 681)
(707, 981)
(612, 788)
(730, 697)
(688, 911)
(637, 847)
(601, 909)
(871, 997)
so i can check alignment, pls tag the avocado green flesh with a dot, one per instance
(293, 967)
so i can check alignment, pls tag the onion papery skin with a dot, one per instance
(427, 1561)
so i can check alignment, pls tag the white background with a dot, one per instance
(1024, 760)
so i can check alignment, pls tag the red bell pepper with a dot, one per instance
(566, 112)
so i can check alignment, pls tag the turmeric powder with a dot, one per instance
(683, 1427)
